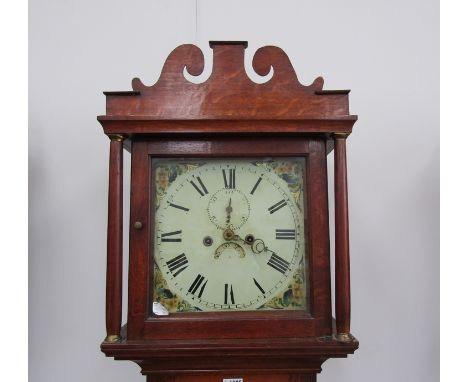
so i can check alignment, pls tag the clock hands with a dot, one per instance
(229, 234)
(228, 210)
(221, 206)
(257, 245)
(276, 262)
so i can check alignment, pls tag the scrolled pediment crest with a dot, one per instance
(228, 92)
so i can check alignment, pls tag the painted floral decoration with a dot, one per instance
(290, 170)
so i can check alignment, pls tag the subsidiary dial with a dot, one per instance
(228, 208)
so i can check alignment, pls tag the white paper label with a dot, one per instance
(159, 310)
(233, 379)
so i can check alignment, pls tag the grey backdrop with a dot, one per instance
(385, 51)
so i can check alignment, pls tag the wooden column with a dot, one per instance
(114, 241)
(342, 278)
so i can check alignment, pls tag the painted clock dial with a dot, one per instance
(229, 234)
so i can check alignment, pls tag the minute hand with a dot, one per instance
(275, 261)
(257, 245)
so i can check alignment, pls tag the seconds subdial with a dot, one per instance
(228, 208)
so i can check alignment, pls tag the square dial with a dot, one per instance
(228, 234)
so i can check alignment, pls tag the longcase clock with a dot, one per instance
(229, 260)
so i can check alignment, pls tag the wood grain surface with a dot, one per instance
(342, 272)
(114, 240)
(228, 115)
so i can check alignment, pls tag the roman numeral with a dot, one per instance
(179, 207)
(277, 206)
(228, 295)
(165, 238)
(286, 234)
(259, 286)
(278, 263)
(231, 183)
(196, 284)
(202, 190)
(177, 264)
(255, 186)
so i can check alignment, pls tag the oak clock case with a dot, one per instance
(229, 248)
(228, 235)
(240, 256)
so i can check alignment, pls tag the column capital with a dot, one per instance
(340, 135)
(116, 137)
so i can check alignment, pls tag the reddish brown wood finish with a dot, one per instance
(228, 115)
(319, 239)
(228, 102)
(342, 275)
(208, 352)
(228, 93)
(133, 126)
(208, 359)
(114, 241)
(315, 323)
